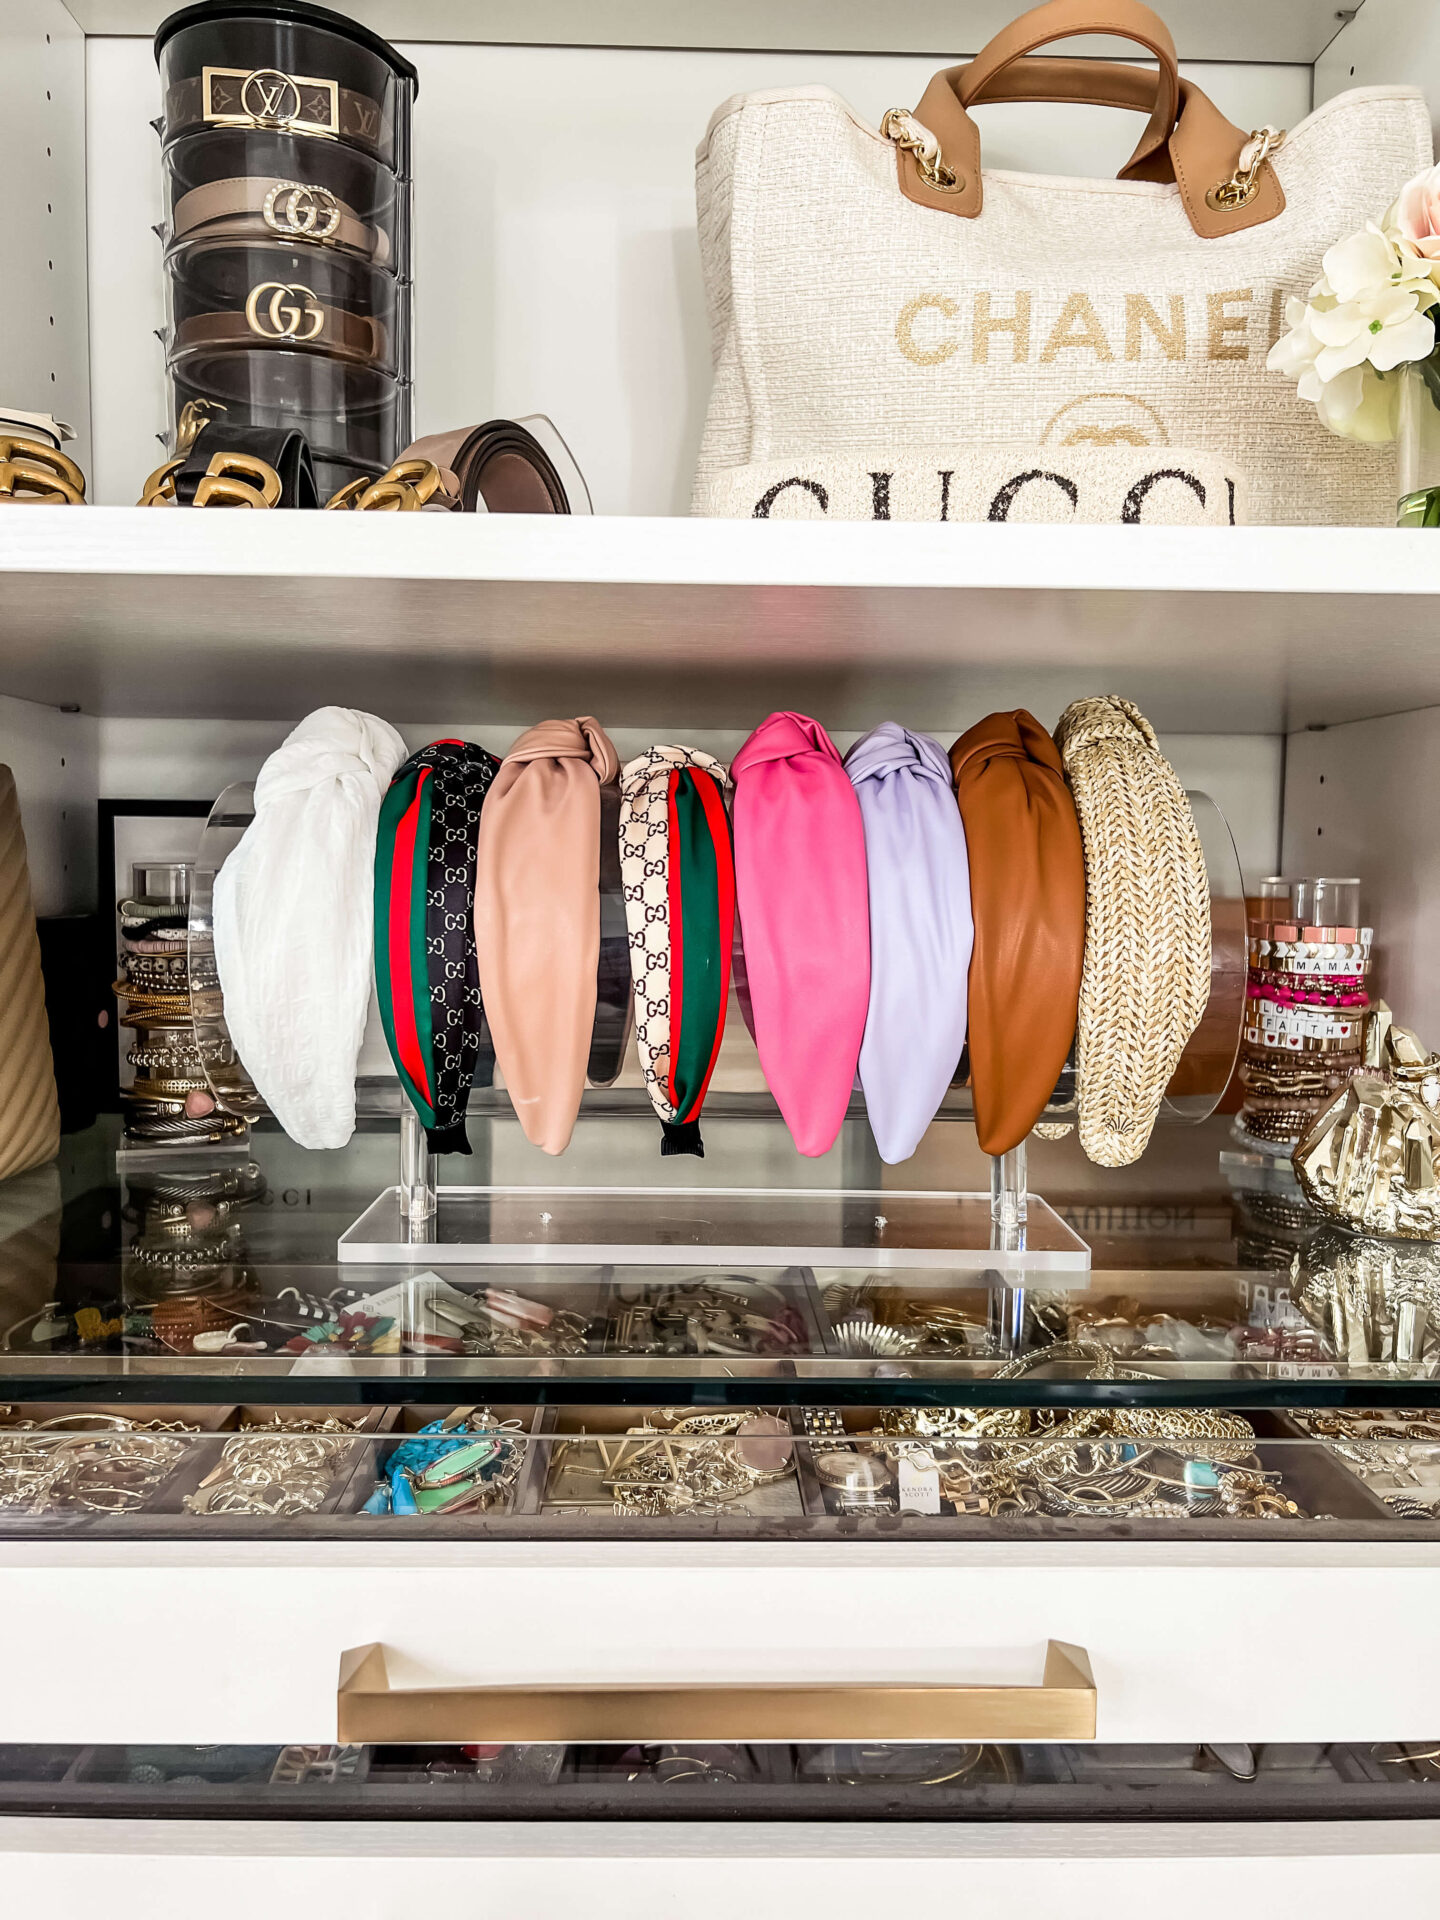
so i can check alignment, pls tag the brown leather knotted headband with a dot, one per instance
(537, 918)
(1027, 897)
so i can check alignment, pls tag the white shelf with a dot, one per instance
(1283, 30)
(135, 612)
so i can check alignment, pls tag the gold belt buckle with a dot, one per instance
(159, 489)
(224, 482)
(31, 469)
(403, 489)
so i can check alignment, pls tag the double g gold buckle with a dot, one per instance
(298, 317)
(307, 213)
(222, 484)
(226, 482)
(404, 489)
(159, 489)
(1243, 185)
(905, 130)
(34, 470)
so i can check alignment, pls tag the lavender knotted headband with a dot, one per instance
(920, 932)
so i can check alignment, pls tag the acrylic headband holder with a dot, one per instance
(1008, 1231)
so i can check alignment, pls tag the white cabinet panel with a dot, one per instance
(1188, 1642)
(132, 1870)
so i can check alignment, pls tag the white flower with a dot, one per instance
(1354, 401)
(1371, 261)
(1295, 352)
(1358, 404)
(1386, 326)
(1368, 313)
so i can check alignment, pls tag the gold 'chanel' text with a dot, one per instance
(1082, 329)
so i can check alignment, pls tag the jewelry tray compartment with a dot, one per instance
(1314, 1474)
(1309, 1474)
(902, 1315)
(402, 1423)
(202, 1460)
(559, 1486)
(199, 1420)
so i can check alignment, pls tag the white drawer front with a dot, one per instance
(196, 1644)
(131, 1870)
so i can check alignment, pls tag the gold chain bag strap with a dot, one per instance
(1146, 976)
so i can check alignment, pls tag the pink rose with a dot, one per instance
(1417, 214)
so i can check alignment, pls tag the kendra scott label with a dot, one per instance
(919, 1483)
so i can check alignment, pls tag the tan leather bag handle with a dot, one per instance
(1186, 139)
(1126, 19)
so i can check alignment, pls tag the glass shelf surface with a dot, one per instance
(214, 1279)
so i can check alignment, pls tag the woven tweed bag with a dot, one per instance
(1146, 977)
(859, 305)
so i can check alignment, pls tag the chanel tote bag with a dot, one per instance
(880, 289)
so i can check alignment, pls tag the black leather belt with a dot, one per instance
(237, 466)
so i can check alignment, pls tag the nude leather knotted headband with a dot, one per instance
(426, 974)
(920, 932)
(537, 918)
(1027, 895)
(801, 893)
(679, 877)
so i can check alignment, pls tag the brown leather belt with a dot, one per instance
(262, 209)
(301, 324)
(505, 466)
(278, 102)
(1027, 898)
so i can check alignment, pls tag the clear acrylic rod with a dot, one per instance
(418, 1179)
(1008, 1201)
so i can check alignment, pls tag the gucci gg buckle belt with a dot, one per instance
(33, 470)
(286, 314)
(265, 209)
(504, 466)
(266, 98)
(408, 486)
(236, 466)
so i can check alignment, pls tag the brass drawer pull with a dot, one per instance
(1061, 1708)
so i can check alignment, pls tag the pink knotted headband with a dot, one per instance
(804, 919)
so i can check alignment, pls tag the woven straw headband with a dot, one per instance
(679, 878)
(425, 967)
(1147, 923)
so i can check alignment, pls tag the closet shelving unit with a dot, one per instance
(120, 629)
(1243, 630)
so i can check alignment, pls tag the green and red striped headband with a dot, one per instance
(425, 970)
